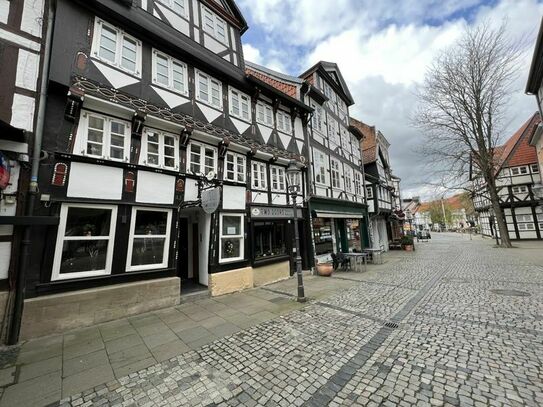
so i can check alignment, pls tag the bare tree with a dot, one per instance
(461, 109)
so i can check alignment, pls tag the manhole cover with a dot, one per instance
(511, 293)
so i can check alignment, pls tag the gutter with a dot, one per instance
(25, 253)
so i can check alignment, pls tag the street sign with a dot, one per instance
(211, 198)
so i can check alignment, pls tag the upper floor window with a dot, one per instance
(369, 191)
(214, 25)
(525, 222)
(519, 170)
(320, 163)
(520, 190)
(115, 47)
(169, 72)
(259, 175)
(283, 122)
(355, 147)
(345, 141)
(202, 159)
(179, 6)
(234, 167)
(240, 104)
(104, 137)
(317, 120)
(333, 132)
(358, 183)
(208, 90)
(264, 113)
(160, 149)
(278, 183)
(535, 168)
(348, 177)
(336, 175)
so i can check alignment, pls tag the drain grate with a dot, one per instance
(392, 325)
(511, 293)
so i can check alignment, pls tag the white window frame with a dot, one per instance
(519, 170)
(318, 119)
(348, 179)
(264, 113)
(369, 192)
(83, 133)
(238, 168)
(358, 184)
(172, 62)
(162, 135)
(259, 175)
(333, 132)
(279, 174)
(240, 236)
(212, 84)
(521, 189)
(121, 36)
(355, 146)
(535, 168)
(61, 238)
(132, 236)
(216, 23)
(243, 100)
(284, 124)
(174, 4)
(201, 154)
(321, 166)
(337, 170)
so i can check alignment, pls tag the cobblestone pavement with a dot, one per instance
(455, 323)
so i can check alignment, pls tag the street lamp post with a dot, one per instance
(294, 186)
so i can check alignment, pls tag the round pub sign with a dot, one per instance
(211, 199)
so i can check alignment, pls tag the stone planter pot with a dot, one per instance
(408, 248)
(325, 269)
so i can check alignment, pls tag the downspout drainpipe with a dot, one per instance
(25, 252)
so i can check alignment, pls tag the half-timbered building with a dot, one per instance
(517, 173)
(164, 160)
(380, 192)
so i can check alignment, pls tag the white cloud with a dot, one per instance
(252, 54)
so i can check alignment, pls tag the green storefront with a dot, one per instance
(337, 226)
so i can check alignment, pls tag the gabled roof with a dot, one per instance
(536, 69)
(230, 8)
(517, 150)
(331, 72)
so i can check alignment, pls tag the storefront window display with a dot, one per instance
(322, 234)
(270, 239)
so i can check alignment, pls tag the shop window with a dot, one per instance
(149, 243)
(278, 183)
(240, 105)
(202, 159)
(170, 73)
(259, 175)
(270, 239)
(103, 137)
(232, 238)
(114, 47)
(322, 235)
(160, 149)
(264, 113)
(353, 234)
(85, 241)
(234, 167)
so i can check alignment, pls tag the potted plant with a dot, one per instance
(324, 269)
(407, 243)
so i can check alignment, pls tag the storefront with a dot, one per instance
(337, 227)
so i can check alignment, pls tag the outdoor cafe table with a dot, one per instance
(358, 258)
(373, 253)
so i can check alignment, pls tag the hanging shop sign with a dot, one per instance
(5, 171)
(210, 199)
(274, 213)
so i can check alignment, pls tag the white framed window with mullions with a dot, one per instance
(320, 163)
(149, 241)
(240, 104)
(259, 175)
(84, 246)
(113, 46)
(283, 122)
(202, 159)
(278, 179)
(208, 90)
(234, 167)
(160, 149)
(214, 25)
(232, 237)
(170, 73)
(180, 7)
(264, 113)
(101, 136)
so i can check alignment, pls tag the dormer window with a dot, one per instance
(214, 25)
(179, 6)
(283, 122)
(114, 47)
(264, 114)
(240, 104)
(170, 73)
(208, 90)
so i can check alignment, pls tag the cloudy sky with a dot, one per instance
(382, 48)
